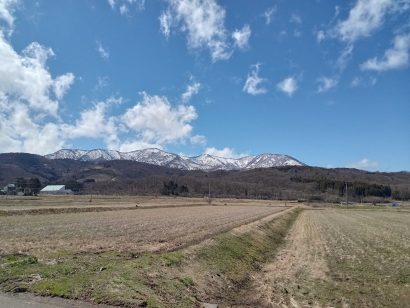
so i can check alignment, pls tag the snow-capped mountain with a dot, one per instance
(161, 158)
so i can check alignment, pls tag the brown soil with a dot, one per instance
(126, 230)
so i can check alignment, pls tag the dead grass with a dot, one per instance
(341, 258)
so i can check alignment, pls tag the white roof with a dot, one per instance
(53, 188)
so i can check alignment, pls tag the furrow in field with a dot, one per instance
(148, 229)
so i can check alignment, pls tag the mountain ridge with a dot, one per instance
(205, 162)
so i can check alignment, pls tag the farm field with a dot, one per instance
(129, 229)
(11, 203)
(184, 252)
(341, 258)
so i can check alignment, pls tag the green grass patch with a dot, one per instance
(237, 256)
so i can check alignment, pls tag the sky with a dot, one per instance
(327, 82)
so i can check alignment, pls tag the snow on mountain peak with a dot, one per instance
(159, 157)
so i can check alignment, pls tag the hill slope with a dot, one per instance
(130, 177)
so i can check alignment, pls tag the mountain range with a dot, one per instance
(205, 162)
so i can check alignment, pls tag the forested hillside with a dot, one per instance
(130, 178)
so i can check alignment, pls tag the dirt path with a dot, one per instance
(303, 258)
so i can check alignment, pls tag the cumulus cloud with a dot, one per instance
(25, 77)
(364, 164)
(366, 16)
(254, 83)
(191, 90)
(30, 119)
(19, 132)
(94, 123)
(225, 152)
(326, 83)
(394, 58)
(204, 23)
(103, 52)
(155, 120)
(241, 37)
(288, 86)
(29, 95)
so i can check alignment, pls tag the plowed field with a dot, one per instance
(133, 230)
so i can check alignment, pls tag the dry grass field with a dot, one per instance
(341, 258)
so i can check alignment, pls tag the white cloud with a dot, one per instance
(288, 86)
(225, 152)
(155, 120)
(124, 9)
(6, 13)
(93, 123)
(19, 132)
(394, 58)
(25, 77)
(29, 95)
(203, 22)
(320, 36)
(133, 145)
(254, 83)
(104, 53)
(191, 90)
(364, 164)
(62, 84)
(111, 3)
(269, 13)
(102, 82)
(345, 56)
(198, 139)
(30, 120)
(367, 16)
(326, 83)
(165, 20)
(241, 37)
(360, 81)
(125, 5)
(295, 19)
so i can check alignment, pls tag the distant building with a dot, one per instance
(56, 190)
(9, 189)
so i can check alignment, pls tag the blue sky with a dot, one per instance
(327, 82)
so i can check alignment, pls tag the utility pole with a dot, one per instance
(347, 196)
(209, 193)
